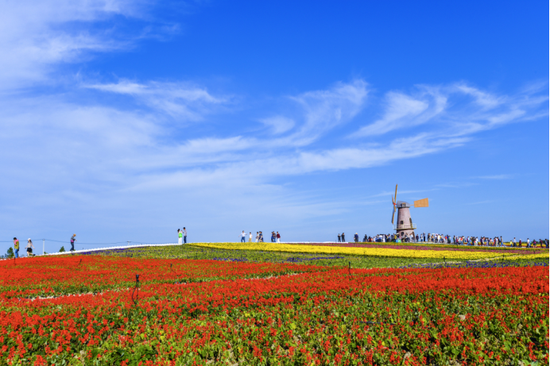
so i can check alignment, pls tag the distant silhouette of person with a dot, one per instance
(73, 239)
(16, 247)
(30, 247)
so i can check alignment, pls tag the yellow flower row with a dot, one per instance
(370, 252)
(531, 256)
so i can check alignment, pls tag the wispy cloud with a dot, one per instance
(400, 192)
(278, 124)
(37, 37)
(495, 177)
(325, 109)
(455, 110)
(406, 111)
(176, 99)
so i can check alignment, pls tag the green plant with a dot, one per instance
(62, 249)
(10, 253)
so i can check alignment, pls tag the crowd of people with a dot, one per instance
(275, 237)
(447, 239)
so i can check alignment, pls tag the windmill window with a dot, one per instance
(401, 222)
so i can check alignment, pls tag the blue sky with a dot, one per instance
(127, 120)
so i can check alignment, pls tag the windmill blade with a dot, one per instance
(394, 201)
(422, 203)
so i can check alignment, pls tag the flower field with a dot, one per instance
(431, 246)
(376, 251)
(89, 310)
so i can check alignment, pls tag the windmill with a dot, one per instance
(405, 226)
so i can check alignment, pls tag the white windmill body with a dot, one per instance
(404, 227)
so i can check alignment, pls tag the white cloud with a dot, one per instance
(482, 98)
(326, 109)
(37, 36)
(176, 99)
(496, 177)
(447, 111)
(112, 143)
(404, 111)
(278, 124)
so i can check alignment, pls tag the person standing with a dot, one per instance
(343, 238)
(514, 242)
(250, 237)
(528, 243)
(243, 236)
(30, 247)
(16, 247)
(180, 237)
(184, 235)
(278, 237)
(339, 237)
(257, 236)
(73, 239)
(356, 238)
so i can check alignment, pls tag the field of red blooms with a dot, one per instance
(77, 310)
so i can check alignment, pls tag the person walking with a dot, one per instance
(30, 247)
(180, 237)
(250, 237)
(243, 236)
(278, 237)
(73, 239)
(16, 247)
(356, 238)
(184, 235)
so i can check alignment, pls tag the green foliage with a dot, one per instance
(10, 253)
(62, 249)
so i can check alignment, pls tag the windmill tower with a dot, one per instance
(404, 226)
